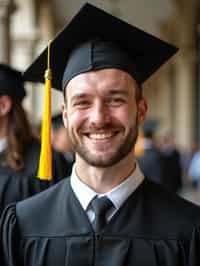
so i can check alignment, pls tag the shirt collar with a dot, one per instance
(117, 195)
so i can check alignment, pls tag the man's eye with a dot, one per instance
(116, 101)
(81, 104)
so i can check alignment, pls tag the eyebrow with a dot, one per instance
(118, 92)
(79, 96)
(110, 93)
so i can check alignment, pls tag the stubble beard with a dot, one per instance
(116, 156)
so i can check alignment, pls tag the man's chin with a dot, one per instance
(102, 161)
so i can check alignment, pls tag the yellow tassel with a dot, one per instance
(45, 162)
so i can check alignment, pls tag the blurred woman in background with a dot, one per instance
(19, 148)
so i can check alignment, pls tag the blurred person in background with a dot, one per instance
(150, 160)
(171, 164)
(60, 138)
(194, 170)
(19, 148)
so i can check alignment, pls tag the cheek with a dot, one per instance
(125, 115)
(71, 117)
(75, 120)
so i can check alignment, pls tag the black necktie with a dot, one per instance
(100, 206)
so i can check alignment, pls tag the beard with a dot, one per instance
(116, 155)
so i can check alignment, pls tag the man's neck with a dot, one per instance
(103, 180)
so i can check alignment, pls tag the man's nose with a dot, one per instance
(100, 114)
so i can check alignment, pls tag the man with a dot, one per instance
(107, 213)
(19, 148)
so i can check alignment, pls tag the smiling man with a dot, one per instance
(102, 116)
(107, 213)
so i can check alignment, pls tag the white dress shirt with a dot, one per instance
(3, 144)
(118, 195)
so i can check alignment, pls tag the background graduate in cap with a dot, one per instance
(60, 138)
(19, 148)
(150, 161)
(107, 213)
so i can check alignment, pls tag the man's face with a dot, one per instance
(101, 116)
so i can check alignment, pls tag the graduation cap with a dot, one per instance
(11, 82)
(94, 40)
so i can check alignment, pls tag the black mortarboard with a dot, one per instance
(11, 82)
(94, 39)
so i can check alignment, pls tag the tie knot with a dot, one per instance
(100, 207)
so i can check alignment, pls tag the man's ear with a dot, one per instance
(5, 105)
(64, 114)
(142, 110)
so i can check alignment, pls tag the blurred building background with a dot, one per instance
(173, 93)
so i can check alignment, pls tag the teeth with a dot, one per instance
(101, 136)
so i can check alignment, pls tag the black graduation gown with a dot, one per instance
(60, 167)
(18, 185)
(152, 228)
(151, 164)
(172, 171)
(15, 188)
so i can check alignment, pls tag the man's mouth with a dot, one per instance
(101, 136)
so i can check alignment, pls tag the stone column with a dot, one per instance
(180, 91)
(24, 39)
(184, 94)
(185, 75)
(6, 8)
(21, 57)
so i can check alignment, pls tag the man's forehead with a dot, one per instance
(111, 81)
